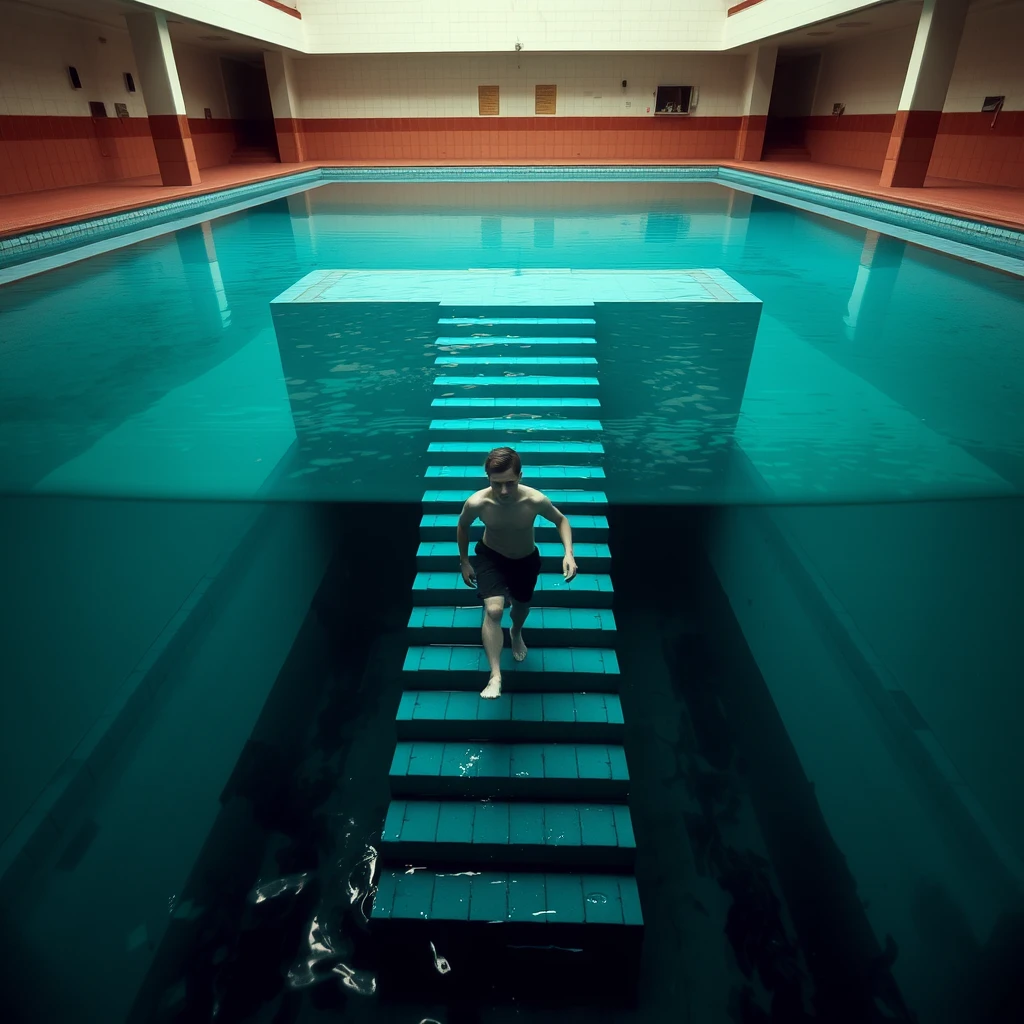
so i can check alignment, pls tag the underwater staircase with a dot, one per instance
(508, 834)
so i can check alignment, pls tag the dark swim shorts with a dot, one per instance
(496, 574)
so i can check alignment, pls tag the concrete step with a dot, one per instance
(437, 500)
(551, 450)
(542, 717)
(534, 401)
(516, 328)
(442, 526)
(492, 833)
(544, 669)
(476, 473)
(566, 364)
(546, 627)
(517, 380)
(594, 590)
(594, 557)
(474, 770)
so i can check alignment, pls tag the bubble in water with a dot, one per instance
(293, 884)
(596, 897)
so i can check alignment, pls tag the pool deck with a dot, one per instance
(29, 211)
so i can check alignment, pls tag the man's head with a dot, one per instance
(504, 471)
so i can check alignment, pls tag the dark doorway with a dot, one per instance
(796, 81)
(245, 83)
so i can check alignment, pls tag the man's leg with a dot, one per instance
(493, 640)
(520, 609)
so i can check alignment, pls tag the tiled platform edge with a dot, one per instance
(17, 249)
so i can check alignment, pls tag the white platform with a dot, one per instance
(537, 287)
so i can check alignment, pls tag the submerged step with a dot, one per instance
(551, 900)
(535, 472)
(518, 321)
(530, 360)
(554, 627)
(464, 667)
(541, 717)
(594, 590)
(534, 402)
(475, 340)
(442, 525)
(593, 556)
(564, 499)
(535, 452)
(487, 833)
(522, 425)
(537, 380)
(546, 771)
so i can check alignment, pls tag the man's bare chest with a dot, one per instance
(518, 517)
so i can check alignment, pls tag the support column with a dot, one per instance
(280, 79)
(757, 94)
(165, 105)
(924, 92)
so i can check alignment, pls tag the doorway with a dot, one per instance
(252, 117)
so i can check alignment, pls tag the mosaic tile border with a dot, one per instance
(35, 245)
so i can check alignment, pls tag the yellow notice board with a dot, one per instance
(544, 99)
(487, 95)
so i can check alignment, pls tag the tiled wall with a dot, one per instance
(425, 107)
(48, 139)
(445, 85)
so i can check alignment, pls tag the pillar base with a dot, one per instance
(290, 145)
(750, 141)
(910, 148)
(175, 154)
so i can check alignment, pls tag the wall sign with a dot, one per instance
(487, 98)
(545, 99)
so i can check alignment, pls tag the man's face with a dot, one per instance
(504, 486)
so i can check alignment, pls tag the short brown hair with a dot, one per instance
(500, 459)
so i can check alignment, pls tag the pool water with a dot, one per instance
(806, 605)
(882, 370)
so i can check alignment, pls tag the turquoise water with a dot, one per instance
(882, 371)
(819, 650)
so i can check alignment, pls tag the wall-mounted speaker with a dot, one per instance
(76, 82)
(129, 82)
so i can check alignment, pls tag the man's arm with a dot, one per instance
(552, 515)
(466, 517)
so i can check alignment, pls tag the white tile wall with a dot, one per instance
(990, 61)
(36, 49)
(866, 74)
(202, 84)
(418, 26)
(445, 85)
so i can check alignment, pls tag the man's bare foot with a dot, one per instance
(518, 647)
(493, 688)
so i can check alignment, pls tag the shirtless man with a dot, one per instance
(507, 559)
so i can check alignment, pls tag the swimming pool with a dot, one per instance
(882, 370)
(237, 646)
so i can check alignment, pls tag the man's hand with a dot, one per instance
(569, 568)
(468, 574)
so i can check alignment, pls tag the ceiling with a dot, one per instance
(882, 17)
(110, 14)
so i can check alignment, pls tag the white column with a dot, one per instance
(165, 105)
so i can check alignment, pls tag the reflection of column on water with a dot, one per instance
(880, 261)
(737, 218)
(202, 274)
(303, 224)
